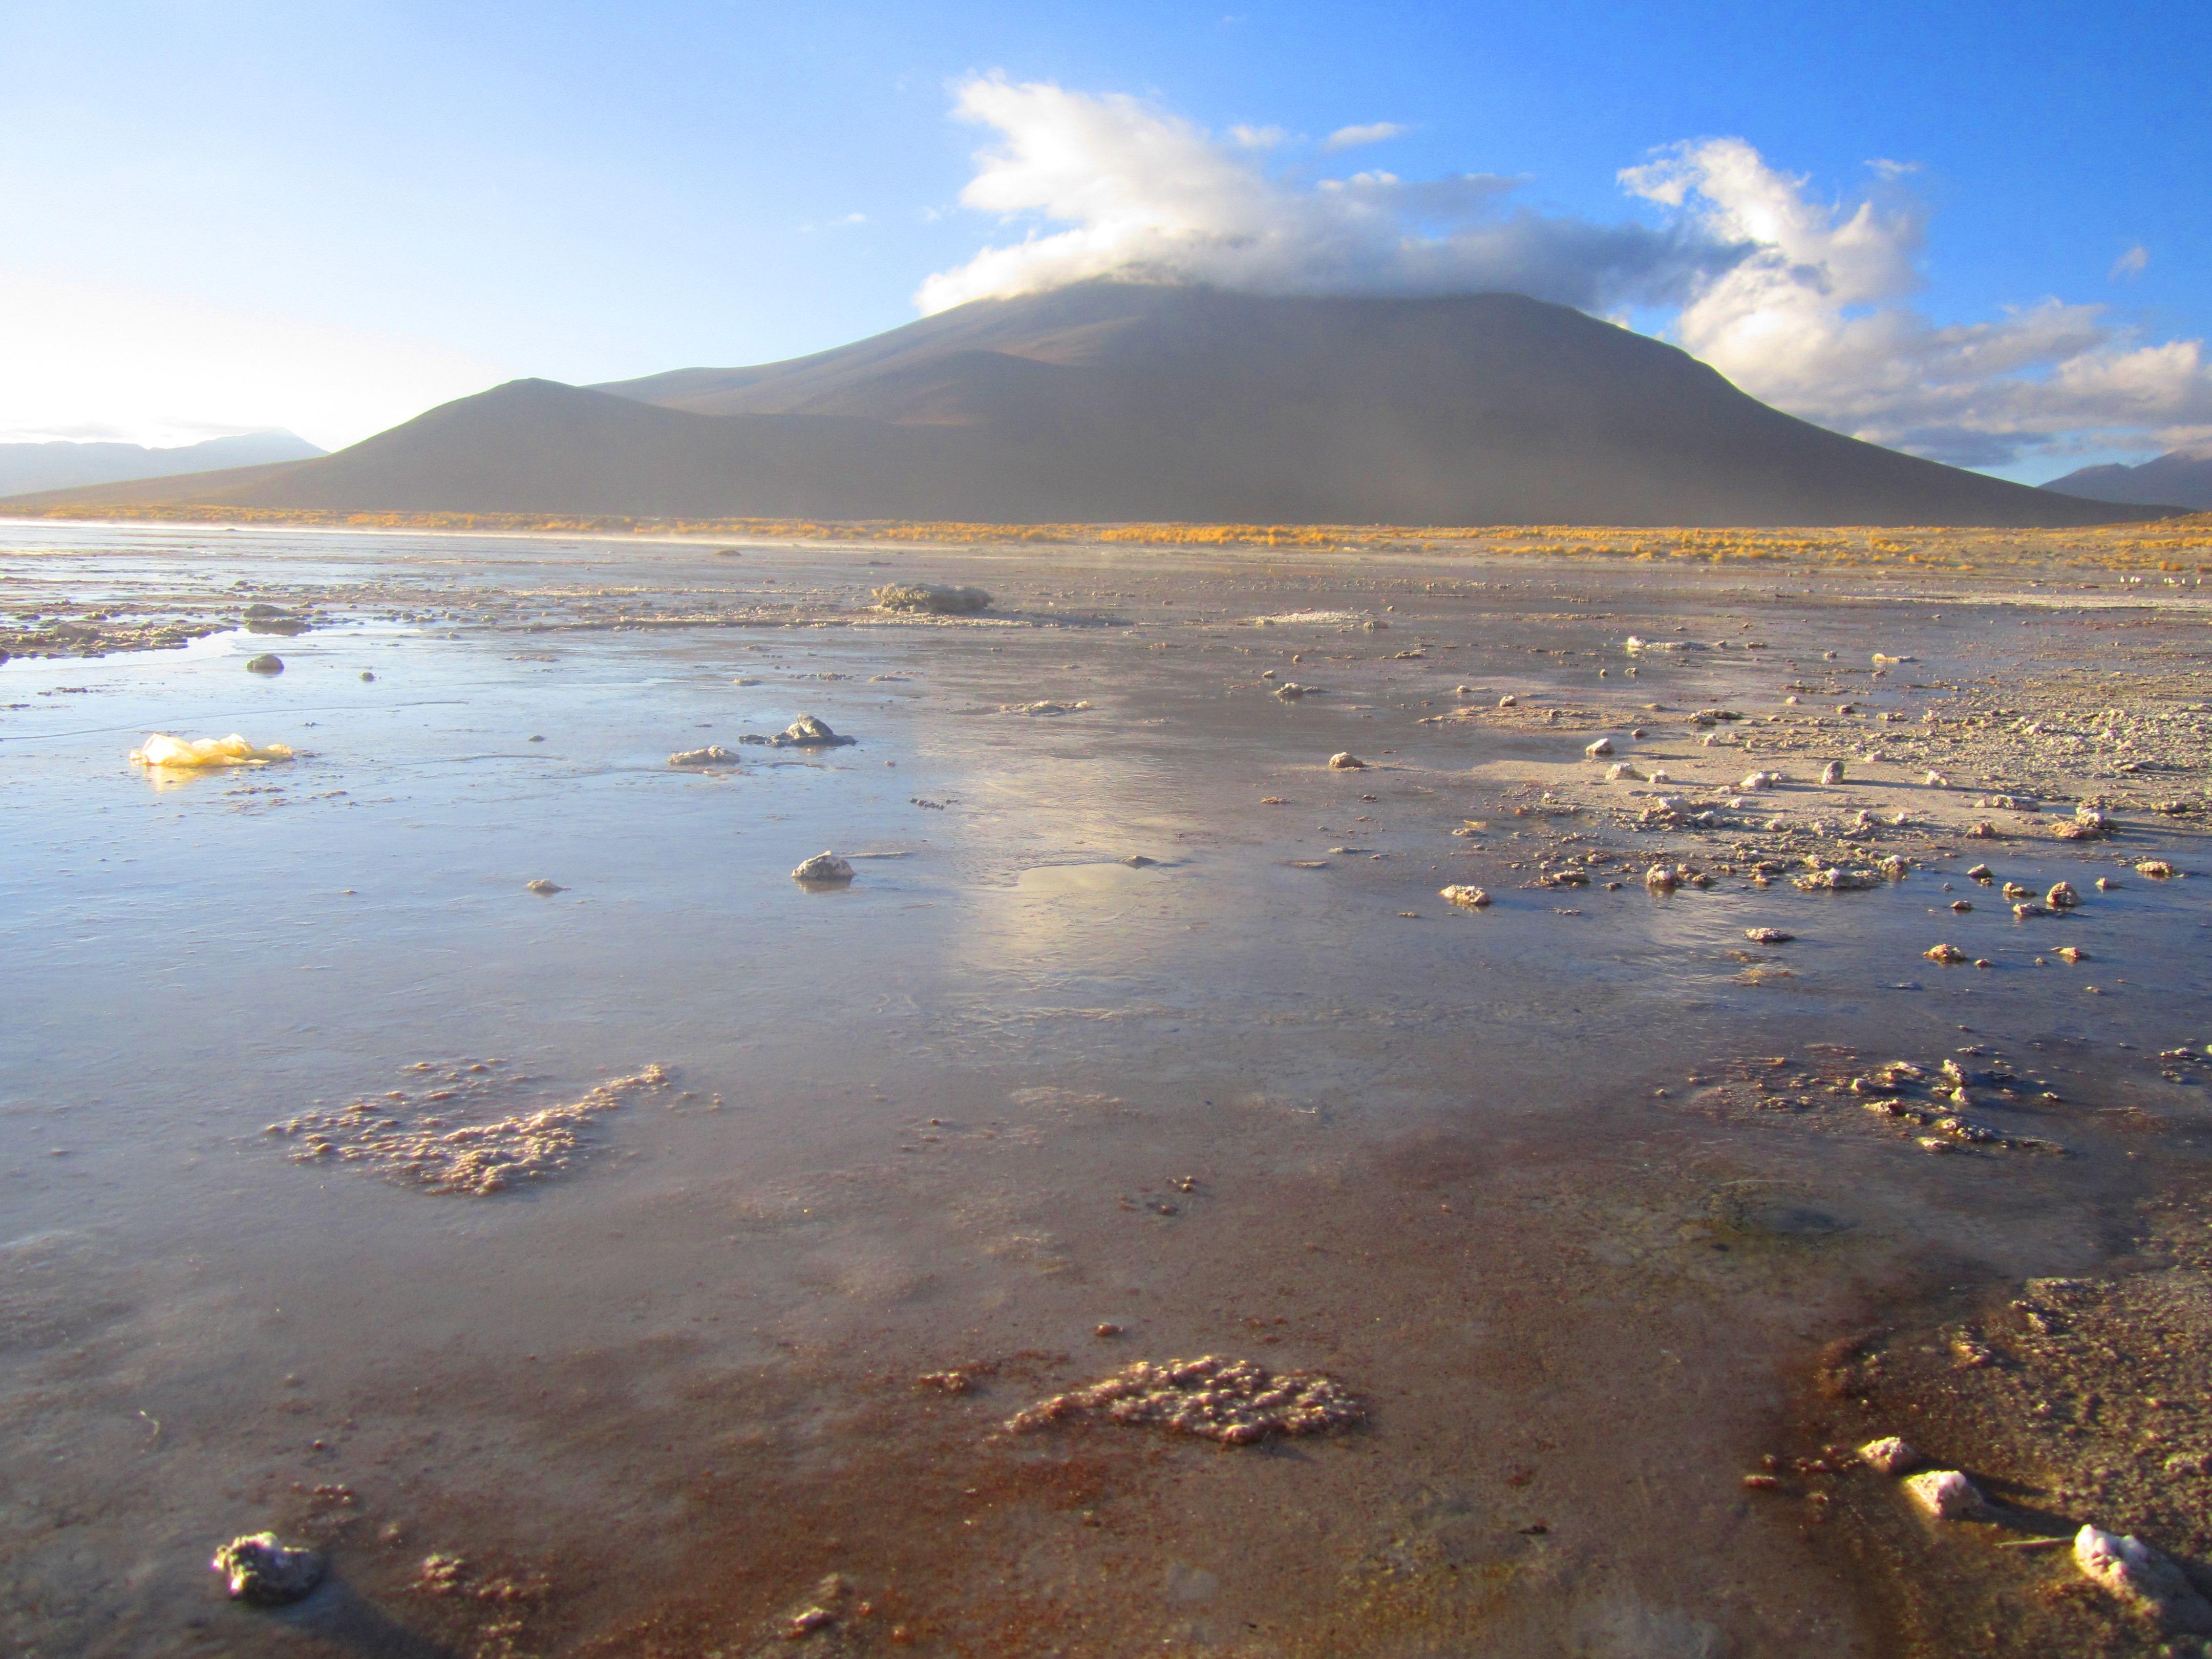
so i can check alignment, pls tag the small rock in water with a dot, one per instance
(930, 598)
(1944, 1493)
(1889, 1455)
(2145, 1582)
(2156, 869)
(260, 1570)
(712, 755)
(1981, 872)
(1767, 936)
(823, 869)
(1467, 898)
(1659, 878)
(543, 888)
(1950, 954)
(2062, 896)
(267, 662)
(2070, 954)
(1343, 762)
(808, 732)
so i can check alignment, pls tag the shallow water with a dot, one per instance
(1002, 1090)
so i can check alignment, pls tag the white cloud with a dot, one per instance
(1815, 321)
(2131, 263)
(1803, 303)
(1374, 133)
(1149, 197)
(88, 361)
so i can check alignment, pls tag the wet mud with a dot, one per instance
(1591, 1227)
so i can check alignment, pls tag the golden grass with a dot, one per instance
(2172, 545)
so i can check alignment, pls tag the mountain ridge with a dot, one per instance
(2181, 477)
(1115, 402)
(62, 465)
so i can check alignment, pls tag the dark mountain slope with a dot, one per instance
(1112, 401)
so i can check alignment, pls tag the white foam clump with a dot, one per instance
(162, 749)
(1311, 619)
(2143, 1580)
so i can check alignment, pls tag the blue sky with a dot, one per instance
(227, 215)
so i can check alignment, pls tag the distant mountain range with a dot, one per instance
(1121, 401)
(27, 467)
(2180, 477)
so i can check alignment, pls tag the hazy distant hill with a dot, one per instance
(1112, 401)
(2182, 477)
(27, 467)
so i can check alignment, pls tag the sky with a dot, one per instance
(1975, 231)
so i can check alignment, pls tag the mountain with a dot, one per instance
(2181, 477)
(25, 467)
(1116, 401)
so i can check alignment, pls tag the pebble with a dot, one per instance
(808, 732)
(1602, 747)
(1944, 1493)
(1889, 1455)
(543, 888)
(2062, 896)
(1834, 771)
(823, 869)
(1948, 955)
(1759, 781)
(2141, 1579)
(2156, 869)
(1345, 762)
(1767, 936)
(712, 755)
(267, 662)
(1467, 898)
(260, 1570)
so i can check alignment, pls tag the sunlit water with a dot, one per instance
(1003, 1089)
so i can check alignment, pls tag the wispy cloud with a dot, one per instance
(1149, 197)
(2131, 263)
(1806, 303)
(1373, 133)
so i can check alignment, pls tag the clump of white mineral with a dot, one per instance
(1231, 1401)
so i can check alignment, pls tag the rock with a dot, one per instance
(930, 598)
(1759, 781)
(1950, 954)
(2027, 909)
(267, 662)
(1291, 690)
(1659, 878)
(1139, 862)
(543, 888)
(1619, 769)
(2070, 954)
(1961, 906)
(1936, 780)
(367, 675)
(1602, 747)
(1508, 701)
(264, 1571)
(1467, 898)
(712, 755)
(1232, 1401)
(1981, 872)
(1833, 772)
(1767, 936)
(1944, 1493)
(2143, 1580)
(2156, 869)
(823, 869)
(808, 732)
(2062, 896)
(1982, 830)
(1346, 763)
(1834, 878)
(1889, 1455)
